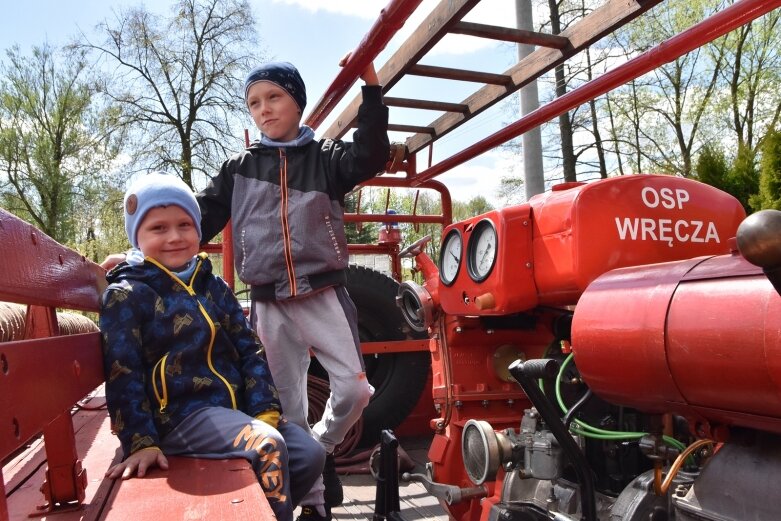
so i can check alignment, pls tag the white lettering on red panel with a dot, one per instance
(665, 230)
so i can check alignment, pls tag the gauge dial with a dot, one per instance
(450, 257)
(481, 251)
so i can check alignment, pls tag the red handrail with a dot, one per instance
(391, 18)
(708, 30)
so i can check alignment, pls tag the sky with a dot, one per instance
(314, 35)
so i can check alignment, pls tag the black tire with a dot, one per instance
(399, 378)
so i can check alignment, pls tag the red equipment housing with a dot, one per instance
(551, 248)
(700, 338)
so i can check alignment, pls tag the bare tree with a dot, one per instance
(179, 81)
(565, 123)
(752, 70)
(665, 111)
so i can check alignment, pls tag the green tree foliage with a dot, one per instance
(744, 177)
(712, 168)
(358, 233)
(178, 81)
(475, 206)
(769, 195)
(55, 142)
(740, 178)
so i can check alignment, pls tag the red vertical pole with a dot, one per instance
(3, 502)
(66, 481)
(227, 256)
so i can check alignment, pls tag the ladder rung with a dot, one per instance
(425, 104)
(508, 34)
(459, 74)
(411, 128)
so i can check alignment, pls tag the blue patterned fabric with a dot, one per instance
(158, 348)
(283, 74)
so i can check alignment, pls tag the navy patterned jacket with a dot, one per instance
(171, 348)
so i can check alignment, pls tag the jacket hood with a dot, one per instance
(148, 271)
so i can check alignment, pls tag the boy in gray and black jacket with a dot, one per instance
(285, 196)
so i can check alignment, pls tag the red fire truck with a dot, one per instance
(604, 351)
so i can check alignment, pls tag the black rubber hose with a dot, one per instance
(575, 408)
(527, 373)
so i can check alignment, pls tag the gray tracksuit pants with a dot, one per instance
(326, 321)
(286, 460)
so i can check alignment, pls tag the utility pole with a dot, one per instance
(533, 178)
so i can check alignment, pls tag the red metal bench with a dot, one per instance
(55, 451)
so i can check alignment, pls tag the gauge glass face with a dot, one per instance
(482, 251)
(450, 257)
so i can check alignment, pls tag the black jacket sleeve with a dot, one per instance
(353, 163)
(215, 202)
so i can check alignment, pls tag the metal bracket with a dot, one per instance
(55, 505)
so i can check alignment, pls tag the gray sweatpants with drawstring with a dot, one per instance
(326, 322)
(286, 460)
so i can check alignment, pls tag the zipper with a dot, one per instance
(189, 288)
(291, 274)
(161, 395)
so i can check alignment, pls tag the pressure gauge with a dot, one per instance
(450, 257)
(481, 250)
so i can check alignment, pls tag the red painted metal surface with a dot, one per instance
(3, 501)
(71, 366)
(66, 480)
(588, 230)
(466, 385)
(219, 489)
(724, 21)
(391, 19)
(391, 346)
(700, 338)
(550, 249)
(38, 270)
(510, 285)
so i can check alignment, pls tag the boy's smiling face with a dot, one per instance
(168, 235)
(274, 111)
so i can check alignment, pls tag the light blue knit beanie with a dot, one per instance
(153, 190)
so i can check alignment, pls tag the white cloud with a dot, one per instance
(369, 9)
(490, 12)
(481, 176)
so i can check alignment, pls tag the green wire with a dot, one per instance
(589, 431)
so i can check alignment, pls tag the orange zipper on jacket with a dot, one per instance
(189, 288)
(288, 247)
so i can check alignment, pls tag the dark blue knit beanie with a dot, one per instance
(283, 74)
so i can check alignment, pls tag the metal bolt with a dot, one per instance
(459, 404)
(510, 402)
(459, 329)
(489, 331)
(485, 403)
(528, 264)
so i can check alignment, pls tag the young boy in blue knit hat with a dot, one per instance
(285, 195)
(185, 375)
